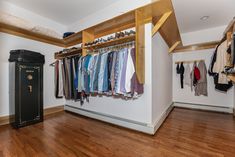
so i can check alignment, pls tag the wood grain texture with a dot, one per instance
(140, 45)
(13, 30)
(47, 112)
(185, 133)
(87, 36)
(160, 22)
(127, 20)
(68, 54)
(112, 42)
(230, 26)
(201, 46)
(173, 47)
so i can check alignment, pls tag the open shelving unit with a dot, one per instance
(111, 43)
(159, 13)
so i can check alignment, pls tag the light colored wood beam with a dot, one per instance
(230, 26)
(140, 46)
(47, 112)
(17, 31)
(195, 47)
(174, 46)
(161, 21)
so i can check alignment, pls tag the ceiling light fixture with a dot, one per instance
(205, 18)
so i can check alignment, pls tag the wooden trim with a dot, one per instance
(149, 12)
(140, 46)
(69, 54)
(4, 120)
(161, 21)
(230, 26)
(112, 42)
(13, 30)
(189, 61)
(47, 112)
(174, 46)
(53, 110)
(87, 36)
(195, 47)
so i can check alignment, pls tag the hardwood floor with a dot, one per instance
(184, 133)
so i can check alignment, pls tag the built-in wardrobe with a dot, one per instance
(155, 39)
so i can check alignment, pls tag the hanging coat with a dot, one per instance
(221, 62)
(187, 76)
(201, 86)
(180, 70)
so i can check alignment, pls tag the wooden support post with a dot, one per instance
(161, 21)
(174, 46)
(140, 46)
(87, 36)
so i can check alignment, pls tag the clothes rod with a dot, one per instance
(189, 61)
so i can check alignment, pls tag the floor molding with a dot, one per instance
(204, 107)
(53, 110)
(133, 125)
(47, 112)
(163, 117)
(141, 127)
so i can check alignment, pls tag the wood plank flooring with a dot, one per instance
(185, 133)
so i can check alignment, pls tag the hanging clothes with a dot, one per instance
(180, 70)
(233, 49)
(58, 79)
(196, 73)
(108, 72)
(187, 75)
(215, 74)
(221, 62)
(201, 86)
(136, 87)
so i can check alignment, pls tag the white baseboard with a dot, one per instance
(204, 107)
(141, 127)
(158, 123)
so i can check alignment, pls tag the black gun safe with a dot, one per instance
(26, 87)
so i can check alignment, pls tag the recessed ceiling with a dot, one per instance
(65, 12)
(190, 12)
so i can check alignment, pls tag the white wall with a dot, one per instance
(116, 9)
(138, 110)
(207, 35)
(32, 17)
(215, 98)
(9, 42)
(161, 78)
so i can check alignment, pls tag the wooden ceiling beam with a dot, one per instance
(173, 47)
(168, 30)
(195, 47)
(13, 30)
(160, 22)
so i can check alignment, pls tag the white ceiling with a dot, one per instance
(65, 12)
(189, 12)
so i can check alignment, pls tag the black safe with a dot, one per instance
(25, 87)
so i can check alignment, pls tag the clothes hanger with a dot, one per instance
(53, 64)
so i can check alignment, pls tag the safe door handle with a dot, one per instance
(30, 88)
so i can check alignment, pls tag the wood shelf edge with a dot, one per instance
(112, 42)
(231, 77)
(195, 47)
(69, 54)
(20, 32)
